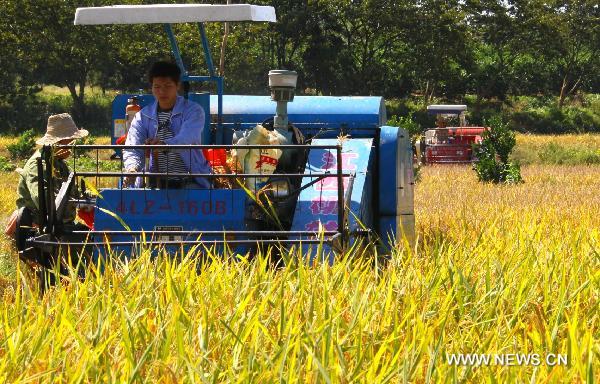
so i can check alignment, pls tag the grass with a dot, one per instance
(497, 269)
(558, 149)
(52, 90)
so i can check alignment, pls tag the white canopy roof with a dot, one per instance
(172, 13)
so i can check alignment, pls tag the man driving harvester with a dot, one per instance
(170, 120)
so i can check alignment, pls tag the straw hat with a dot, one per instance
(61, 127)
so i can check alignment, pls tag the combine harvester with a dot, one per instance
(448, 144)
(341, 175)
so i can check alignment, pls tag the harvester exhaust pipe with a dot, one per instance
(282, 84)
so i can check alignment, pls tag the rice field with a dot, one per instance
(501, 271)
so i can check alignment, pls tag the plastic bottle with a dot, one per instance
(131, 109)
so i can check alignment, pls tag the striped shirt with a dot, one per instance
(168, 161)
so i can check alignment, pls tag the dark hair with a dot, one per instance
(164, 69)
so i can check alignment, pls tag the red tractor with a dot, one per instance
(445, 144)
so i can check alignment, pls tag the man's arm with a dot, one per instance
(133, 159)
(191, 126)
(30, 177)
(71, 211)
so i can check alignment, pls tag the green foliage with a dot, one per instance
(539, 114)
(88, 140)
(6, 165)
(67, 55)
(410, 106)
(492, 164)
(88, 163)
(553, 153)
(97, 118)
(24, 147)
(441, 51)
(21, 110)
(407, 122)
(32, 110)
(555, 120)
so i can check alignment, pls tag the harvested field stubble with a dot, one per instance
(498, 270)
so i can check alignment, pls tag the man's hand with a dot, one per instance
(154, 141)
(62, 153)
(129, 181)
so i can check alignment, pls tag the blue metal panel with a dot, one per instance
(388, 155)
(318, 203)
(396, 211)
(120, 102)
(309, 113)
(147, 210)
(396, 230)
(395, 172)
(204, 100)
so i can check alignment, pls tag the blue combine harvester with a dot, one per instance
(342, 175)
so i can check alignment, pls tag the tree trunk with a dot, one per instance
(563, 92)
(78, 103)
(223, 46)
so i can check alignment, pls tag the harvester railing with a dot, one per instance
(204, 237)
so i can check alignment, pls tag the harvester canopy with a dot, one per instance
(172, 13)
(446, 109)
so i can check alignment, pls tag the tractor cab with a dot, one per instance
(449, 143)
(321, 173)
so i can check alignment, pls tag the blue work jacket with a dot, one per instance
(187, 124)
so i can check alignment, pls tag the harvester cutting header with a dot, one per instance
(281, 169)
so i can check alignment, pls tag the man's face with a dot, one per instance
(165, 91)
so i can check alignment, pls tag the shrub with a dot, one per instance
(24, 147)
(492, 164)
(554, 120)
(6, 165)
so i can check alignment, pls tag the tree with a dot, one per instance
(372, 41)
(496, 35)
(54, 51)
(441, 52)
(17, 99)
(564, 37)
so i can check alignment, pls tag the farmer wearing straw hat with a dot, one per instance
(61, 130)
